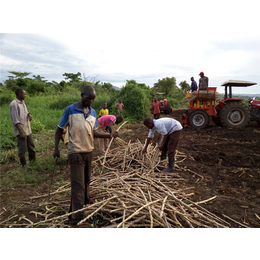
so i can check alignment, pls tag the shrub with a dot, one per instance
(6, 96)
(36, 125)
(35, 87)
(136, 101)
(63, 101)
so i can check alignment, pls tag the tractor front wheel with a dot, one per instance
(234, 115)
(198, 119)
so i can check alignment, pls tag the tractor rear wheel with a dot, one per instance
(234, 115)
(198, 119)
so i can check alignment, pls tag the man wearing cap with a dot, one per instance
(203, 82)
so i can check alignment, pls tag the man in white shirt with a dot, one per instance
(21, 126)
(171, 130)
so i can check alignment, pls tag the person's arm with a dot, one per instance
(101, 135)
(16, 120)
(21, 132)
(58, 135)
(148, 140)
(110, 126)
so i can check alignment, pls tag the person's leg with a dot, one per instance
(172, 145)
(88, 161)
(31, 148)
(157, 116)
(164, 150)
(22, 147)
(77, 167)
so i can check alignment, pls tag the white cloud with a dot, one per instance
(141, 40)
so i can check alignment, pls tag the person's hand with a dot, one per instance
(56, 152)
(114, 134)
(29, 116)
(22, 135)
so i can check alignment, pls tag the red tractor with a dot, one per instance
(229, 112)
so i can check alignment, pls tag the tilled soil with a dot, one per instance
(237, 190)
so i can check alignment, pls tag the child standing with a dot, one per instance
(104, 111)
(120, 106)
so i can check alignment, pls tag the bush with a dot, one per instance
(63, 101)
(136, 101)
(6, 96)
(11, 85)
(36, 125)
(35, 87)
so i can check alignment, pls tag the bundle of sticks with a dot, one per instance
(203, 94)
(129, 190)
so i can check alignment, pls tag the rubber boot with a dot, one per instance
(163, 155)
(170, 165)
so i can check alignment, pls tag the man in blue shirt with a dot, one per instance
(82, 124)
(194, 86)
(171, 130)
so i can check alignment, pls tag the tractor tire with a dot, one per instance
(198, 119)
(216, 120)
(234, 115)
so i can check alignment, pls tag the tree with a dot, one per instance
(107, 85)
(73, 77)
(184, 86)
(18, 75)
(135, 99)
(166, 85)
(39, 78)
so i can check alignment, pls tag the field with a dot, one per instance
(237, 192)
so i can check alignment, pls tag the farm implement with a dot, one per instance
(229, 112)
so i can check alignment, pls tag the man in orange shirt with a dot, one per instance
(156, 108)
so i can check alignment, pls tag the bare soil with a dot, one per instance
(237, 188)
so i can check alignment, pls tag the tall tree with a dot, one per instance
(73, 77)
(166, 85)
(18, 75)
(184, 86)
(39, 78)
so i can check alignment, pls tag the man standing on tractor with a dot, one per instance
(203, 82)
(194, 86)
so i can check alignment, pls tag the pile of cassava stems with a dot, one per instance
(129, 190)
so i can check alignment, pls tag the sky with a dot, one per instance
(114, 41)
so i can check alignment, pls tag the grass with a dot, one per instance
(39, 172)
